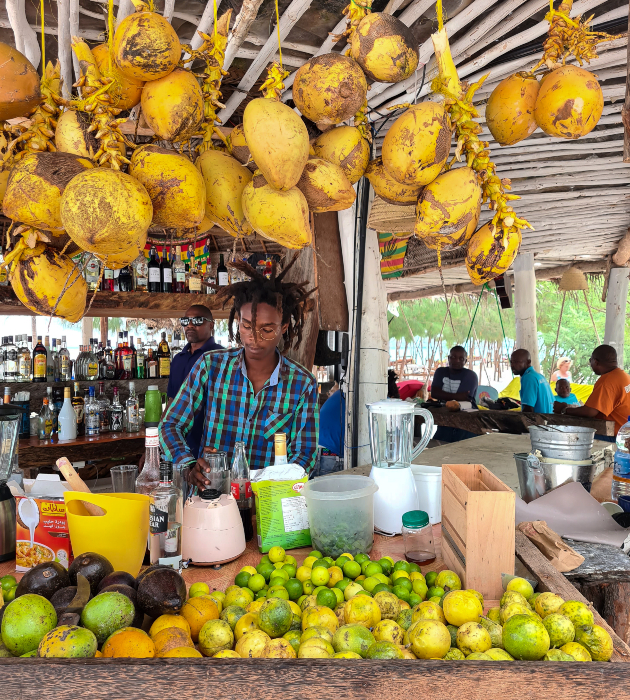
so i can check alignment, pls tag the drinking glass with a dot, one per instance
(218, 473)
(124, 478)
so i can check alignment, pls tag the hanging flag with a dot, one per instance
(392, 254)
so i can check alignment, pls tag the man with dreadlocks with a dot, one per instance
(248, 394)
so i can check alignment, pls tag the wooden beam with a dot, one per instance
(206, 23)
(626, 110)
(169, 8)
(25, 37)
(74, 31)
(104, 330)
(240, 30)
(64, 49)
(622, 255)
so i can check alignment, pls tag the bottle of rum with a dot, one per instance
(40, 361)
(79, 409)
(154, 277)
(141, 274)
(133, 410)
(179, 273)
(45, 422)
(107, 283)
(103, 408)
(222, 273)
(165, 520)
(194, 276)
(116, 413)
(152, 369)
(166, 272)
(11, 361)
(242, 488)
(125, 279)
(24, 361)
(164, 358)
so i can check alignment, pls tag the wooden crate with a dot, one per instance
(477, 527)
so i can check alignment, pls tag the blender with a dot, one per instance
(391, 424)
(10, 419)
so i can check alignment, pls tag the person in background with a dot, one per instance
(331, 439)
(610, 399)
(392, 387)
(198, 326)
(562, 370)
(455, 382)
(536, 396)
(564, 394)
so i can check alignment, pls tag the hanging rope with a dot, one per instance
(485, 286)
(41, 12)
(555, 345)
(278, 28)
(588, 306)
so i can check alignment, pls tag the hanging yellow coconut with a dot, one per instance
(239, 148)
(344, 146)
(72, 135)
(329, 89)
(389, 189)
(173, 105)
(176, 187)
(417, 144)
(146, 47)
(35, 186)
(39, 275)
(125, 92)
(448, 209)
(106, 212)
(325, 186)
(19, 84)
(490, 252)
(278, 141)
(510, 109)
(280, 216)
(570, 103)
(119, 260)
(225, 179)
(385, 48)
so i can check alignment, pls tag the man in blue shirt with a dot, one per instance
(198, 327)
(536, 396)
(332, 420)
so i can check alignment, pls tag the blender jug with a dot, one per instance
(391, 427)
(9, 429)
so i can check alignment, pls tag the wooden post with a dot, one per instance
(625, 113)
(616, 309)
(525, 306)
(104, 330)
(86, 330)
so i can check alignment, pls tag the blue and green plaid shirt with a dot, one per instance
(218, 388)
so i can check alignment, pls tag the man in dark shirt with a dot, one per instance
(200, 336)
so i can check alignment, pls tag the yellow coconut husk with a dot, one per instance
(207, 224)
(106, 211)
(38, 277)
(325, 186)
(448, 209)
(239, 148)
(176, 187)
(4, 180)
(510, 109)
(344, 146)
(278, 141)
(35, 186)
(173, 105)
(19, 84)
(279, 216)
(490, 252)
(417, 144)
(225, 179)
(72, 135)
(120, 260)
(385, 48)
(329, 89)
(146, 47)
(125, 92)
(570, 103)
(389, 189)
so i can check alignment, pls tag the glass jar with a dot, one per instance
(418, 537)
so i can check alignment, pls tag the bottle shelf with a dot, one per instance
(34, 441)
(128, 304)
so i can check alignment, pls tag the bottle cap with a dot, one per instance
(66, 392)
(153, 387)
(415, 518)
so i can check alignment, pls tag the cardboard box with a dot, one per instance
(41, 528)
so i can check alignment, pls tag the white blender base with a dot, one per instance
(396, 496)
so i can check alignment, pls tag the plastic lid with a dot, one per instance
(415, 518)
(210, 494)
(153, 387)
(392, 406)
(151, 432)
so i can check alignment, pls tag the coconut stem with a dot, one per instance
(448, 79)
(355, 11)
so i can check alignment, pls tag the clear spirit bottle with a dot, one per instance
(92, 417)
(179, 272)
(133, 410)
(103, 408)
(65, 365)
(10, 361)
(116, 413)
(91, 362)
(165, 520)
(92, 271)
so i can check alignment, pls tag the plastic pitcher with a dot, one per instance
(120, 535)
(153, 399)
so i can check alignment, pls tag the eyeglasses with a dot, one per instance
(195, 320)
(262, 333)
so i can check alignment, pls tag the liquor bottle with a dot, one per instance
(24, 361)
(107, 283)
(179, 273)
(57, 404)
(140, 369)
(186, 285)
(116, 413)
(209, 278)
(67, 418)
(149, 478)
(222, 273)
(92, 417)
(55, 360)
(10, 361)
(194, 276)
(53, 410)
(91, 362)
(166, 272)
(175, 345)
(151, 365)
(2, 349)
(280, 448)
(103, 408)
(109, 369)
(133, 410)
(165, 520)
(141, 274)
(45, 421)
(118, 356)
(79, 409)
(92, 271)
(125, 279)
(40, 359)
(65, 365)
(164, 358)
(155, 279)
(134, 357)
(242, 488)
(125, 362)
(49, 364)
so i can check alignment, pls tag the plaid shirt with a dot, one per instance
(218, 387)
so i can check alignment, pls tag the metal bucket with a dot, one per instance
(562, 441)
(538, 478)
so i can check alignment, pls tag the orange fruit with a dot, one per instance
(280, 649)
(129, 643)
(98, 655)
(165, 621)
(182, 653)
(171, 638)
(197, 611)
(362, 610)
(320, 616)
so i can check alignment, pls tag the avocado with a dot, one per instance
(93, 566)
(71, 619)
(161, 592)
(118, 577)
(133, 597)
(44, 579)
(62, 598)
(148, 570)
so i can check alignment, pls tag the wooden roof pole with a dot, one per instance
(64, 47)
(626, 111)
(240, 30)
(205, 23)
(622, 255)
(25, 37)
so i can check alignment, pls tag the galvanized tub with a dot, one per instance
(568, 442)
(537, 478)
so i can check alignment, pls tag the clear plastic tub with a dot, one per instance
(341, 513)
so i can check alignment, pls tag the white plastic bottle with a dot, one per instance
(67, 418)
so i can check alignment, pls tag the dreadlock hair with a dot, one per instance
(288, 298)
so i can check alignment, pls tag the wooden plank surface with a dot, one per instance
(333, 304)
(602, 563)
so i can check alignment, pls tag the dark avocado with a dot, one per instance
(93, 566)
(44, 579)
(62, 598)
(148, 570)
(117, 577)
(132, 594)
(71, 619)
(161, 592)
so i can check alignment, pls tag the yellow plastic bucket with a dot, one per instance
(120, 535)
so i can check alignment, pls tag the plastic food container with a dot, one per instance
(429, 487)
(341, 513)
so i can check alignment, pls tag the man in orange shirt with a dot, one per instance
(610, 399)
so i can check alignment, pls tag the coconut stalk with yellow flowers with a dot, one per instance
(276, 136)
(344, 146)
(125, 92)
(325, 186)
(389, 189)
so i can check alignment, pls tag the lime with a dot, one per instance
(278, 565)
(9, 594)
(320, 562)
(8, 581)
(303, 574)
(400, 574)
(281, 573)
(256, 583)
(364, 592)
(330, 561)
(372, 568)
(352, 569)
(242, 579)
(293, 637)
(385, 566)
(404, 583)
(261, 594)
(361, 557)
(402, 565)
(309, 561)
(320, 576)
(265, 559)
(341, 561)
(435, 591)
(338, 594)
(370, 583)
(199, 588)
(288, 559)
(265, 570)
(276, 554)
(318, 589)
(316, 554)
(381, 578)
(278, 592)
(327, 598)
(294, 588)
(341, 585)
(430, 578)
(365, 565)
(414, 567)
(402, 593)
(277, 581)
(308, 587)
(414, 599)
(419, 587)
(381, 587)
(290, 569)
(525, 638)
